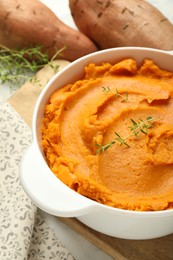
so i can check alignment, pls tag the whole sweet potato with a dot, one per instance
(115, 23)
(26, 23)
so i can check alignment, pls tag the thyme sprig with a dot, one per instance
(18, 65)
(106, 89)
(142, 126)
(117, 94)
(124, 99)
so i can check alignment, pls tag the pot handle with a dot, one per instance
(47, 191)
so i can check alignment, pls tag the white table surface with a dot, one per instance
(77, 245)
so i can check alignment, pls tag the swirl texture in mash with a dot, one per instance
(82, 115)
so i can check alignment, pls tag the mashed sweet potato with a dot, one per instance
(109, 136)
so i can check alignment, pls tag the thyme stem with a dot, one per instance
(124, 99)
(141, 126)
(107, 90)
(17, 65)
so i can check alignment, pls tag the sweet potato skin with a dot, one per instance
(26, 23)
(115, 23)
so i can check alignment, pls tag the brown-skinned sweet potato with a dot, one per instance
(26, 23)
(116, 23)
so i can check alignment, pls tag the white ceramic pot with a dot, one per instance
(54, 197)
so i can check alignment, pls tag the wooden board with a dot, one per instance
(23, 102)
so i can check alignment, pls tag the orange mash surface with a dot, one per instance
(83, 117)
